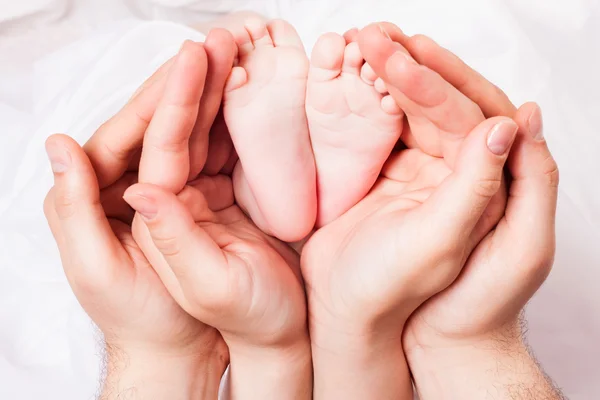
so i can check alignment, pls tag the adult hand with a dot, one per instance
(477, 317)
(438, 115)
(219, 266)
(224, 271)
(407, 240)
(153, 345)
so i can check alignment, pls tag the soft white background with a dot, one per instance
(67, 65)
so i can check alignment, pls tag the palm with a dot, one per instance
(387, 226)
(142, 303)
(255, 283)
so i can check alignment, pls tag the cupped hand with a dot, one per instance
(512, 261)
(112, 279)
(440, 108)
(218, 265)
(408, 239)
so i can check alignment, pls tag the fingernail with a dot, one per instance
(501, 137)
(185, 43)
(408, 57)
(59, 156)
(384, 31)
(142, 204)
(536, 124)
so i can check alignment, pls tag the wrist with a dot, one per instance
(139, 372)
(497, 365)
(358, 364)
(270, 372)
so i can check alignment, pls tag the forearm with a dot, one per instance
(142, 375)
(498, 367)
(359, 367)
(265, 373)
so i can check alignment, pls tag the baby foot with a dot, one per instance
(264, 111)
(354, 125)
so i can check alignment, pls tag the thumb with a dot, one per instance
(87, 244)
(460, 201)
(182, 253)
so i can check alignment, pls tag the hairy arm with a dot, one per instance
(498, 367)
(141, 374)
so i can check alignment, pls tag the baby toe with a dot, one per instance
(380, 86)
(327, 57)
(258, 32)
(389, 105)
(353, 59)
(284, 34)
(368, 75)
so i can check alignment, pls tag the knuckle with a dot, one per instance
(65, 204)
(487, 187)
(168, 245)
(551, 172)
(49, 204)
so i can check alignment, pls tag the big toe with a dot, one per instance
(327, 57)
(258, 31)
(284, 34)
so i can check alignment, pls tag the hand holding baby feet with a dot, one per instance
(427, 99)
(353, 126)
(407, 240)
(478, 316)
(224, 271)
(439, 115)
(147, 334)
(263, 106)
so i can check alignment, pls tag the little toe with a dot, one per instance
(367, 74)
(389, 105)
(327, 57)
(284, 34)
(353, 59)
(258, 32)
(380, 86)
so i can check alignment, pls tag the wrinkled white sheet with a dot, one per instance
(539, 50)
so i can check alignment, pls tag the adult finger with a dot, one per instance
(533, 193)
(427, 99)
(458, 204)
(526, 237)
(113, 145)
(165, 155)
(489, 97)
(503, 276)
(194, 261)
(88, 241)
(220, 50)
(217, 190)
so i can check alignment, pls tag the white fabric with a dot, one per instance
(539, 50)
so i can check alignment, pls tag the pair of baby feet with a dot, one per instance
(311, 137)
